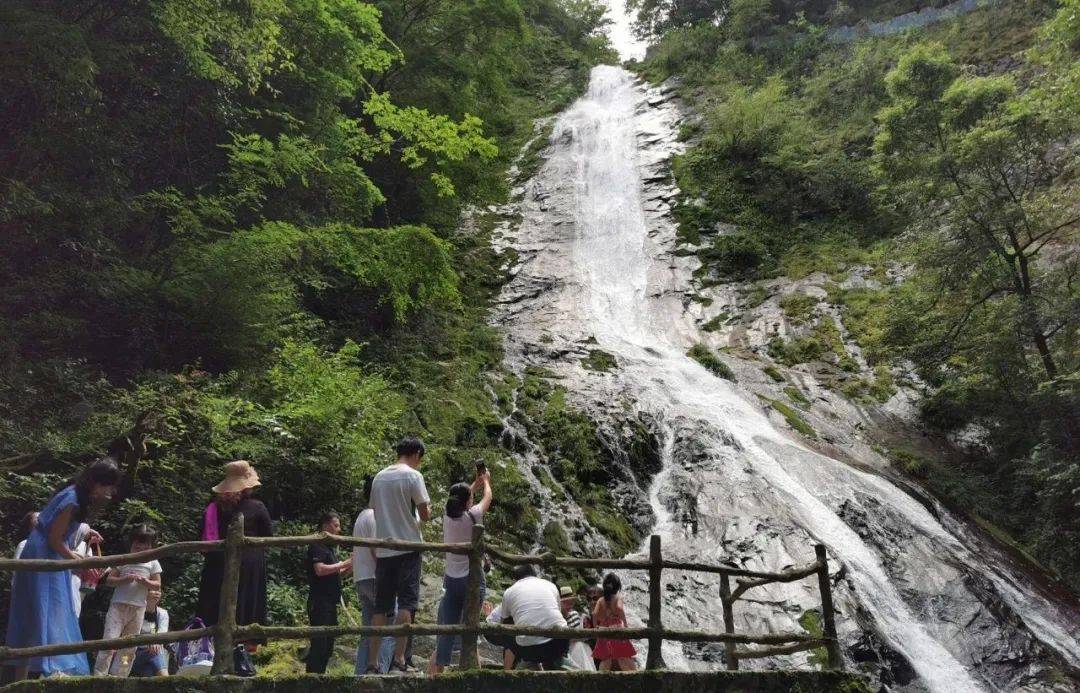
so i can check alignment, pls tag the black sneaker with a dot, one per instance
(402, 669)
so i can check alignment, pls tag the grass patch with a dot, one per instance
(798, 306)
(811, 623)
(866, 315)
(796, 396)
(599, 360)
(793, 418)
(716, 323)
(755, 297)
(703, 355)
(773, 373)
(791, 352)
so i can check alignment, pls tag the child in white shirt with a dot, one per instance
(125, 616)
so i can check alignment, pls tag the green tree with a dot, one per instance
(974, 154)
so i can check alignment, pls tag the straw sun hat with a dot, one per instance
(239, 475)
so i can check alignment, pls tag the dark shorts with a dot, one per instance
(397, 581)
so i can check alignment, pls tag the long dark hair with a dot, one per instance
(457, 500)
(104, 472)
(612, 586)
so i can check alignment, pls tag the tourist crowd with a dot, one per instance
(45, 605)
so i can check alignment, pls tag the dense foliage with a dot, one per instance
(240, 219)
(946, 157)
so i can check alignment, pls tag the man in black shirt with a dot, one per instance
(324, 577)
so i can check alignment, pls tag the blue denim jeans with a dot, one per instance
(365, 591)
(452, 610)
(147, 664)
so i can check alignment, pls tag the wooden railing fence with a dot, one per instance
(227, 632)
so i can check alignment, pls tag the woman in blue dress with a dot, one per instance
(42, 606)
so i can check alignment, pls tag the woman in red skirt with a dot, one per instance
(609, 613)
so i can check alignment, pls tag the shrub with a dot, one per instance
(712, 362)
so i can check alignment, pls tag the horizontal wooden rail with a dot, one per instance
(782, 576)
(340, 540)
(227, 632)
(111, 644)
(252, 632)
(50, 564)
(550, 559)
(786, 576)
(184, 547)
(782, 649)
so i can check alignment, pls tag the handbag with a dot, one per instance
(242, 664)
(195, 657)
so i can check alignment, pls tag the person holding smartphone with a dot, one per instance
(461, 515)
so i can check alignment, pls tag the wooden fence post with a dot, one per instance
(474, 600)
(656, 567)
(828, 618)
(230, 585)
(730, 659)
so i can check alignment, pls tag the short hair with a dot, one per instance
(520, 572)
(368, 481)
(327, 516)
(143, 532)
(410, 446)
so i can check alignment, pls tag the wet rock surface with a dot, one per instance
(720, 469)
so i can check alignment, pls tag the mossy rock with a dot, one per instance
(489, 681)
(599, 360)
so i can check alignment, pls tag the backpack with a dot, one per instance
(195, 657)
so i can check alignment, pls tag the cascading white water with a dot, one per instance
(600, 274)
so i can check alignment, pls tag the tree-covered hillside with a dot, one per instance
(929, 179)
(240, 220)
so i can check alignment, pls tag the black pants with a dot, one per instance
(321, 612)
(548, 655)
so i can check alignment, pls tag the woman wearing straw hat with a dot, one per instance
(232, 496)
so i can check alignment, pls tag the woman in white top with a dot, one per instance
(458, 522)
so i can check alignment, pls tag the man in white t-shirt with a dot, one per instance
(534, 601)
(400, 501)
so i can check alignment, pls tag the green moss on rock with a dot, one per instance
(703, 355)
(793, 418)
(489, 681)
(599, 360)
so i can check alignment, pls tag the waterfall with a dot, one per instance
(596, 267)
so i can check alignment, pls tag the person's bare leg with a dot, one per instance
(605, 665)
(374, 643)
(627, 664)
(508, 660)
(403, 617)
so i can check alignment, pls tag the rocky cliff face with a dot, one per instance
(730, 454)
